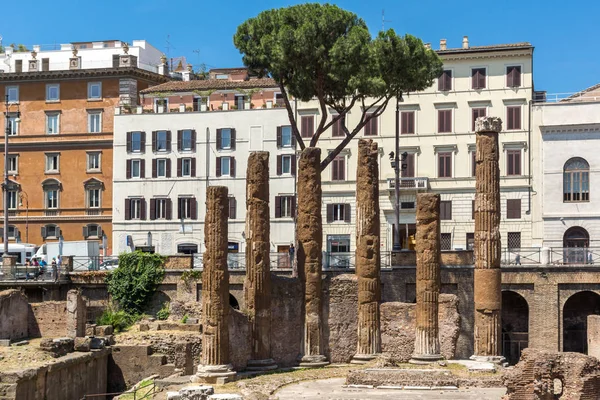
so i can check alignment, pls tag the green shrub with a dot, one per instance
(164, 312)
(132, 285)
(184, 319)
(120, 320)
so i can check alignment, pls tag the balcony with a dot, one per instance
(51, 213)
(410, 183)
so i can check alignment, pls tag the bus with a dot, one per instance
(23, 251)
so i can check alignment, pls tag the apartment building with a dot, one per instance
(190, 135)
(60, 153)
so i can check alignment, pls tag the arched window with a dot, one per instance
(92, 231)
(576, 180)
(50, 231)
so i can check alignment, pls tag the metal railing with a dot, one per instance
(570, 97)
(141, 393)
(409, 183)
(338, 260)
(96, 263)
(574, 256)
(26, 273)
(522, 255)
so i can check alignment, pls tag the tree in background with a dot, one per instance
(323, 53)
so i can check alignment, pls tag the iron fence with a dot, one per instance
(95, 263)
(574, 255)
(522, 255)
(338, 260)
(143, 392)
(27, 273)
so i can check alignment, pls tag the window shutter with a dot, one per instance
(233, 139)
(45, 64)
(232, 207)
(311, 125)
(143, 209)
(179, 208)
(334, 170)
(85, 232)
(474, 79)
(293, 206)
(99, 231)
(409, 172)
(448, 120)
(193, 167)
(179, 140)
(128, 169)
(472, 209)
(179, 162)
(374, 126)
(517, 76)
(143, 142)
(448, 165)
(193, 140)
(194, 208)
(142, 168)
(218, 167)
(169, 209)
(335, 128)
(368, 128)
(293, 138)
(342, 169)
(442, 81)
(129, 142)
(153, 140)
(517, 162)
(440, 165)
(154, 161)
(43, 232)
(277, 206)
(168, 140)
(517, 118)
(293, 162)
(329, 213)
(473, 163)
(219, 139)
(509, 76)
(152, 209)
(441, 121)
(279, 165)
(168, 168)
(404, 123)
(411, 122)
(127, 209)
(232, 166)
(346, 212)
(278, 136)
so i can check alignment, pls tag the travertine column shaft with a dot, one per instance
(257, 285)
(368, 261)
(309, 227)
(487, 277)
(427, 344)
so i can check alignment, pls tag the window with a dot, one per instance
(470, 241)
(18, 65)
(407, 205)
(286, 165)
(13, 125)
(444, 121)
(51, 198)
(338, 212)
(161, 141)
(95, 121)
(446, 241)
(52, 123)
(513, 162)
(13, 232)
(473, 162)
(225, 139)
(307, 125)
(186, 208)
(445, 81)
(477, 112)
(45, 64)
(338, 169)
(136, 141)
(371, 126)
(93, 161)
(445, 165)
(161, 168)
(160, 209)
(478, 78)
(135, 209)
(284, 136)
(408, 168)
(514, 240)
(94, 90)
(186, 167)
(446, 210)
(225, 166)
(13, 196)
(513, 117)
(92, 231)
(279, 100)
(576, 180)
(50, 231)
(136, 169)
(186, 140)
(407, 122)
(93, 197)
(13, 94)
(513, 208)
(52, 92)
(513, 76)
(232, 207)
(13, 163)
(285, 206)
(336, 128)
(52, 162)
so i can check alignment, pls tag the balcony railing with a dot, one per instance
(93, 211)
(410, 183)
(51, 213)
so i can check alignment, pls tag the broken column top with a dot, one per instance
(488, 124)
(369, 143)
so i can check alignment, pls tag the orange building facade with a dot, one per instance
(60, 153)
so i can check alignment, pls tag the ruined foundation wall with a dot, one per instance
(13, 312)
(47, 319)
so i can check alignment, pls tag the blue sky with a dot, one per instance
(564, 33)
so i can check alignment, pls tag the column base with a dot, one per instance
(363, 358)
(499, 360)
(268, 364)
(317, 361)
(219, 374)
(422, 359)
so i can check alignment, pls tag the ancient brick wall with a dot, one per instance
(13, 312)
(47, 319)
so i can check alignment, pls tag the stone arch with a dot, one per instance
(515, 325)
(575, 312)
(233, 302)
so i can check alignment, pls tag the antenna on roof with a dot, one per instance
(383, 20)
(168, 47)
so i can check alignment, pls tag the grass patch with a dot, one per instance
(144, 388)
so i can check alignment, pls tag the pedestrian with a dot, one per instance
(292, 250)
(590, 258)
(518, 259)
(27, 268)
(43, 265)
(54, 270)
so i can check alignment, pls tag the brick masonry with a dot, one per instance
(13, 308)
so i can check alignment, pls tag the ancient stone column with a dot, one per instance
(427, 344)
(309, 231)
(76, 314)
(257, 285)
(214, 364)
(487, 277)
(368, 262)
(593, 335)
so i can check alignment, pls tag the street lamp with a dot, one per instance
(7, 133)
(23, 195)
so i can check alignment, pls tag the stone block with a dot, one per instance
(196, 392)
(593, 335)
(82, 344)
(21, 343)
(4, 342)
(143, 327)
(57, 347)
(97, 343)
(225, 396)
(103, 330)
(192, 321)
(13, 309)
(90, 330)
(173, 396)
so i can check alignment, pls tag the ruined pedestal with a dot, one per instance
(309, 228)
(367, 252)
(427, 344)
(593, 335)
(257, 285)
(214, 364)
(487, 277)
(76, 314)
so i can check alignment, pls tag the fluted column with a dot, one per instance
(487, 277)
(427, 343)
(309, 228)
(368, 262)
(215, 290)
(257, 285)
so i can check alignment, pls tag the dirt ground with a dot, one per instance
(15, 358)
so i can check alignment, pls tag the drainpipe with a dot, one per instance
(528, 212)
(294, 264)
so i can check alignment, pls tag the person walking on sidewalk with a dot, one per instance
(54, 270)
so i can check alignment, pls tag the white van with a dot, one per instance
(23, 251)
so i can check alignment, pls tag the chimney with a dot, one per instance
(428, 46)
(163, 67)
(465, 42)
(442, 44)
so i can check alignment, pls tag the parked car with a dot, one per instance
(111, 264)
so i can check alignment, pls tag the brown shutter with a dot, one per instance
(335, 128)
(153, 140)
(403, 122)
(474, 79)
(43, 233)
(411, 122)
(311, 125)
(179, 161)
(293, 206)
(277, 206)
(293, 162)
(440, 165)
(509, 76)
(448, 120)
(279, 164)
(342, 169)
(232, 207)
(233, 139)
(154, 172)
(193, 140)
(142, 168)
(334, 169)
(152, 209)
(179, 206)
(472, 209)
(232, 166)
(168, 169)
(448, 165)
(517, 116)
(194, 208)
(143, 142)
(473, 163)
(517, 76)
(169, 209)
(143, 209)
(440, 120)
(374, 126)
(179, 140)
(127, 209)
(128, 169)
(193, 167)
(346, 212)
(219, 131)
(329, 213)
(517, 162)
(169, 140)
(129, 142)
(278, 136)
(218, 167)
(368, 127)
(441, 82)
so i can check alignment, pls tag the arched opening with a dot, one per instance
(576, 241)
(576, 180)
(575, 313)
(515, 326)
(233, 302)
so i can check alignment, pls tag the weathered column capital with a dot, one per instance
(488, 124)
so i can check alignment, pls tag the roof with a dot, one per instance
(211, 84)
(83, 73)
(582, 93)
(494, 47)
(230, 70)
